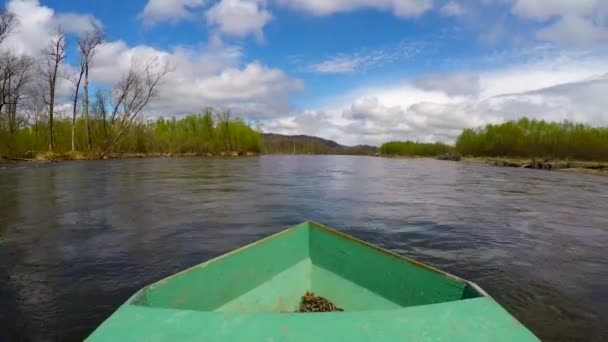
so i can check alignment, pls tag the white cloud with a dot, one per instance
(545, 9)
(574, 31)
(454, 84)
(243, 17)
(567, 22)
(256, 91)
(157, 11)
(338, 65)
(76, 23)
(401, 8)
(239, 17)
(452, 9)
(556, 88)
(210, 75)
(366, 59)
(38, 24)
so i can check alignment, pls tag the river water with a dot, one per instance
(78, 238)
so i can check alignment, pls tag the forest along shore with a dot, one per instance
(524, 143)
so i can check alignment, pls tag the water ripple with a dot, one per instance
(77, 239)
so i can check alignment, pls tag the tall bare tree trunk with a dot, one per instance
(86, 46)
(75, 106)
(85, 106)
(74, 109)
(55, 55)
(51, 109)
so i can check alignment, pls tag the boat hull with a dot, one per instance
(253, 293)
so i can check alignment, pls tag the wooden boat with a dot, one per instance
(253, 294)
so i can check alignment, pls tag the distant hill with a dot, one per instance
(306, 144)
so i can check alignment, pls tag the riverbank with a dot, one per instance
(588, 167)
(577, 166)
(70, 156)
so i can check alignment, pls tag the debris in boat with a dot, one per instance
(312, 303)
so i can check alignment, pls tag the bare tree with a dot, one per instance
(132, 94)
(76, 81)
(15, 74)
(8, 22)
(86, 48)
(54, 56)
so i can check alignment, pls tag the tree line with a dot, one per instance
(526, 138)
(108, 121)
(523, 138)
(206, 133)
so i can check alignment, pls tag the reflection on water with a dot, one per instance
(77, 239)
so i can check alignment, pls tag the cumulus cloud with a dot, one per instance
(569, 23)
(157, 11)
(557, 88)
(77, 23)
(239, 17)
(210, 75)
(38, 24)
(401, 8)
(255, 91)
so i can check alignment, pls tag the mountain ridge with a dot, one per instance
(275, 143)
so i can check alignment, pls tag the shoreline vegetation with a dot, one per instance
(207, 134)
(525, 143)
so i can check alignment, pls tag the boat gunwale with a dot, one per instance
(314, 225)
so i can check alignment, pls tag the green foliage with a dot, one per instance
(414, 149)
(198, 134)
(527, 138)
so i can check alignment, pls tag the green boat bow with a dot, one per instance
(253, 293)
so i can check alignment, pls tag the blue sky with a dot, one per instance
(358, 71)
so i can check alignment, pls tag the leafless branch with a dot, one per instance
(86, 47)
(134, 92)
(15, 74)
(54, 56)
(8, 22)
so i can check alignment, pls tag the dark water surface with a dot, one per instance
(78, 238)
